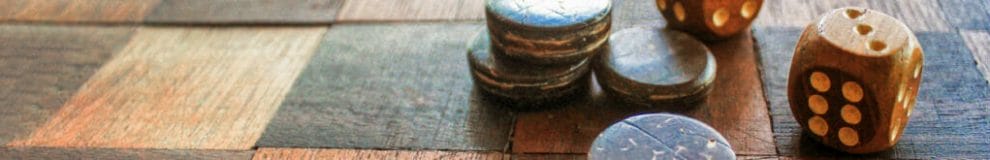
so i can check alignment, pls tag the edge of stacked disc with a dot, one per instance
(548, 32)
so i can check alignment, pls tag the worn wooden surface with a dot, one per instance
(43, 153)
(245, 11)
(979, 43)
(404, 77)
(391, 87)
(736, 108)
(299, 153)
(405, 10)
(42, 66)
(949, 120)
(71, 11)
(178, 88)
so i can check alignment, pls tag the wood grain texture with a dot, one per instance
(919, 15)
(950, 119)
(75, 10)
(979, 43)
(736, 108)
(967, 14)
(303, 153)
(246, 11)
(390, 86)
(42, 153)
(179, 88)
(42, 66)
(549, 156)
(412, 10)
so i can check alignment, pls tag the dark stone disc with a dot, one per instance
(660, 136)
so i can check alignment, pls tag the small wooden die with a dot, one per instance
(710, 19)
(854, 78)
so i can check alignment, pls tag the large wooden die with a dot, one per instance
(854, 78)
(710, 19)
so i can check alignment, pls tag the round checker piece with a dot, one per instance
(520, 83)
(548, 32)
(655, 67)
(660, 136)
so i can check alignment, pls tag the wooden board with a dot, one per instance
(245, 11)
(398, 86)
(41, 153)
(736, 108)
(42, 66)
(412, 10)
(967, 14)
(549, 156)
(950, 119)
(979, 43)
(919, 15)
(301, 153)
(61, 11)
(183, 88)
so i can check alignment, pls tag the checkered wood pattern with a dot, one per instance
(387, 79)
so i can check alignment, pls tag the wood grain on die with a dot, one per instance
(42, 153)
(949, 120)
(919, 15)
(736, 108)
(390, 86)
(311, 153)
(178, 88)
(246, 11)
(979, 43)
(411, 10)
(75, 10)
(42, 66)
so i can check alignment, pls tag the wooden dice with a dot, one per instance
(655, 67)
(710, 19)
(548, 32)
(660, 136)
(854, 78)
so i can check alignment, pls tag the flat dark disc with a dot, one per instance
(660, 136)
(549, 32)
(649, 65)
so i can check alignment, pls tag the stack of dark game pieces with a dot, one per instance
(535, 52)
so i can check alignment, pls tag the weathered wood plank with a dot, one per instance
(979, 43)
(967, 14)
(950, 119)
(919, 15)
(42, 153)
(75, 10)
(412, 10)
(302, 153)
(549, 156)
(391, 86)
(42, 66)
(736, 108)
(246, 11)
(179, 88)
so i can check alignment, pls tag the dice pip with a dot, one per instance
(854, 78)
(710, 19)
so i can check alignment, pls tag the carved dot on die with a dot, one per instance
(877, 45)
(679, 11)
(820, 81)
(853, 14)
(864, 29)
(851, 114)
(848, 136)
(852, 91)
(818, 104)
(818, 126)
(748, 9)
(720, 17)
(662, 5)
